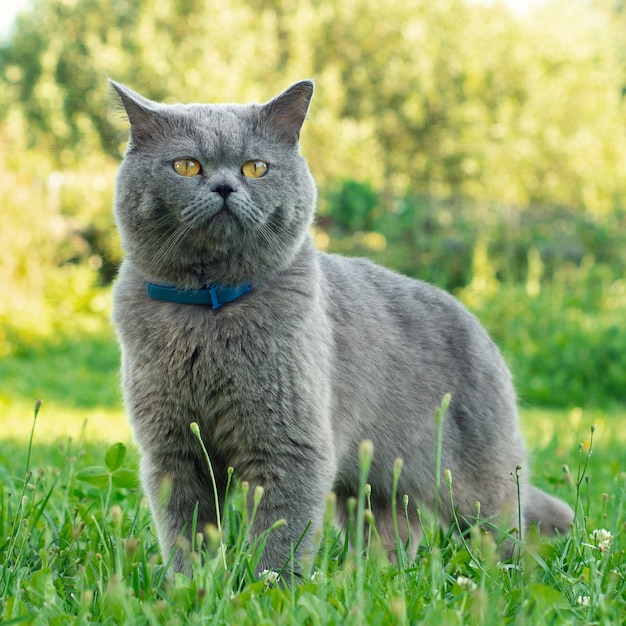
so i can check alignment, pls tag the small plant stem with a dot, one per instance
(455, 518)
(17, 522)
(327, 529)
(518, 546)
(435, 554)
(194, 527)
(294, 550)
(405, 504)
(229, 472)
(195, 429)
(582, 471)
(368, 498)
(366, 453)
(397, 470)
(439, 417)
(38, 404)
(518, 469)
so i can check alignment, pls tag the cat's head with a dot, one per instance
(214, 193)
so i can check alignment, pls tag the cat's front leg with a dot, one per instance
(176, 487)
(294, 492)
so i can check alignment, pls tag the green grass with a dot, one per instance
(77, 545)
(74, 368)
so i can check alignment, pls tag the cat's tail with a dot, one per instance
(550, 515)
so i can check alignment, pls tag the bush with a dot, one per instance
(434, 239)
(563, 338)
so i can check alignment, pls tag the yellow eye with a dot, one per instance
(186, 167)
(254, 169)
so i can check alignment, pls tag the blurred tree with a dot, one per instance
(471, 101)
(615, 12)
(446, 98)
(416, 99)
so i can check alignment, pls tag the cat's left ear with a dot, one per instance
(286, 113)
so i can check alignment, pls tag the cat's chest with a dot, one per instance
(195, 349)
(266, 349)
(210, 368)
(196, 345)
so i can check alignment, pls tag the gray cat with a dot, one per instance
(286, 357)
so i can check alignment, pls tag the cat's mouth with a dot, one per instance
(225, 212)
(225, 207)
(201, 215)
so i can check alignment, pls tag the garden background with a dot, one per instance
(458, 142)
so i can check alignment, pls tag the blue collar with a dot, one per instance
(215, 295)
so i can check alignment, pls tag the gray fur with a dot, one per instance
(323, 352)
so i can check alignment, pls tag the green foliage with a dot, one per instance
(352, 207)
(73, 367)
(71, 552)
(434, 239)
(447, 99)
(112, 474)
(563, 338)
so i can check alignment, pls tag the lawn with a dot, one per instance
(77, 544)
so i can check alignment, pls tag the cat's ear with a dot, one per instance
(141, 112)
(286, 113)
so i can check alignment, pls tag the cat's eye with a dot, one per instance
(254, 169)
(186, 167)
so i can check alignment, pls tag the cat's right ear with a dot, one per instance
(141, 112)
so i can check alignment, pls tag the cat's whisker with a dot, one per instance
(165, 246)
(267, 233)
(263, 231)
(161, 245)
(275, 232)
(194, 212)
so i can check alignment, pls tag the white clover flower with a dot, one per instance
(318, 577)
(602, 539)
(465, 583)
(583, 600)
(270, 577)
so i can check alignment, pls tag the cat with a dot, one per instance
(287, 357)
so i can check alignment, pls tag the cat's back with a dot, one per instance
(395, 333)
(376, 300)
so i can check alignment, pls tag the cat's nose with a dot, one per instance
(224, 190)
